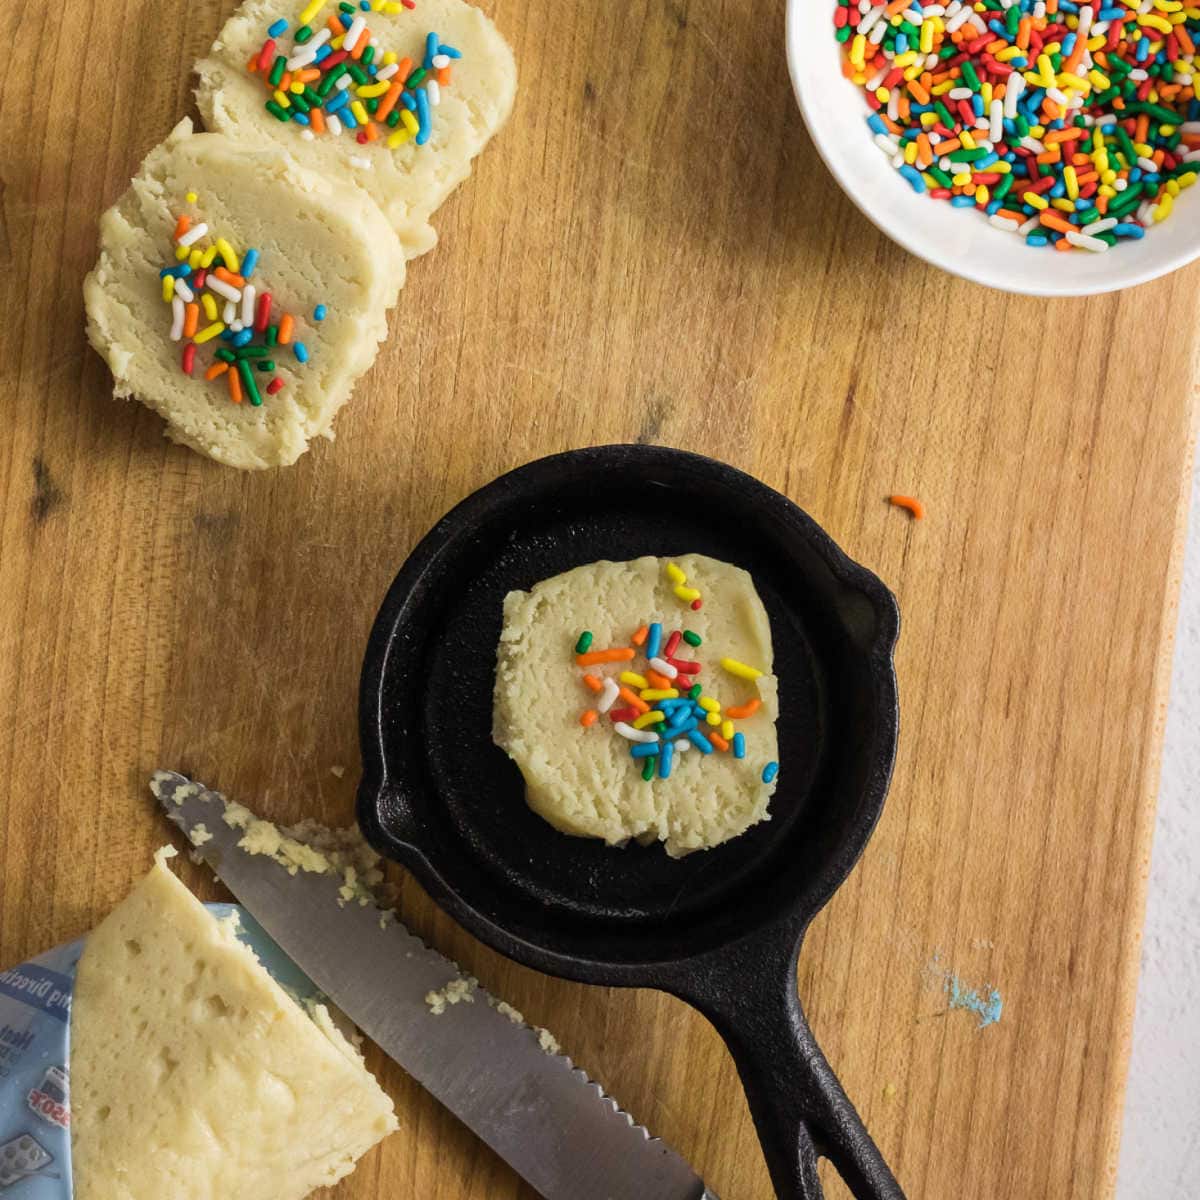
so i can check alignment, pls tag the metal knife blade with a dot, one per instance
(541, 1114)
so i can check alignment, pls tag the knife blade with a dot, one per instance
(545, 1117)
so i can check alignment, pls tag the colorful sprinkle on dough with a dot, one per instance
(1072, 125)
(911, 503)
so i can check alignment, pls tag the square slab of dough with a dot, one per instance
(411, 181)
(194, 1075)
(583, 780)
(320, 242)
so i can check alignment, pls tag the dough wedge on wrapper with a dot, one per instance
(408, 182)
(320, 242)
(195, 1076)
(583, 780)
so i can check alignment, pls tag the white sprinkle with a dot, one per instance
(433, 90)
(307, 135)
(320, 39)
(353, 33)
(1031, 143)
(343, 83)
(663, 667)
(248, 295)
(894, 104)
(682, 745)
(898, 161)
(996, 122)
(387, 72)
(1122, 184)
(1190, 156)
(1099, 29)
(1139, 74)
(1147, 164)
(439, 61)
(887, 144)
(868, 22)
(194, 234)
(333, 124)
(1190, 127)
(1015, 85)
(1030, 225)
(229, 312)
(876, 34)
(182, 289)
(876, 79)
(608, 696)
(959, 19)
(237, 326)
(1086, 243)
(1005, 223)
(222, 288)
(301, 59)
(363, 164)
(634, 735)
(1100, 226)
(963, 93)
(1058, 95)
(177, 319)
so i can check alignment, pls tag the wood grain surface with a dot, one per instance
(651, 250)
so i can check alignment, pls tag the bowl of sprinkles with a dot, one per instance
(1069, 133)
(223, 315)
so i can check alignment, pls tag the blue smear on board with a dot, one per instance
(986, 1004)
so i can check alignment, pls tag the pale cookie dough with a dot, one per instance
(410, 181)
(583, 780)
(320, 242)
(194, 1075)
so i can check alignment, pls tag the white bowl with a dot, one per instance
(958, 240)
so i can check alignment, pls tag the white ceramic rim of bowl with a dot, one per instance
(960, 242)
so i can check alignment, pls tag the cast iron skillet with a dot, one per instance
(719, 929)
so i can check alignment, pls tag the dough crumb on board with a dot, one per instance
(460, 990)
(321, 242)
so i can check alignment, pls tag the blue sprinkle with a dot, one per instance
(1126, 229)
(277, 27)
(654, 640)
(346, 20)
(643, 749)
(664, 762)
(961, 201)
(901, 43)
(227, 335)
(739, 745)
(875, 124)
(334, 103)
(301, 118)
(431, 48)
(769, 772)
(249, 262)
(910, 173)
(323, 52)
(346, 116)
(301, 351)
(449, 51)
(181, 271)
(406, 98)
(423, 116)
(700, 742)
(1036, 239)
(365, 5)
(319, 313)
(244, 338)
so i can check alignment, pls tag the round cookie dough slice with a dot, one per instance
(582, 777)
(326, 257)
(408, 181)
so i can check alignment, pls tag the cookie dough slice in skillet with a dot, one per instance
(470, 99)
(242, 380)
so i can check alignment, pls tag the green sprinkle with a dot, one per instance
(278, 111)
(968, 156)
(968, 73)
(373, 105)
(272, 334)
(327, 84)
(368, 56)
(225, 355)
(300, 104)
(346, 8)
(393, 118)
(303, 34)
(695, 692)
(277, 69)
(251, 352)
(265, 365)
(943, 178)
(843, 34)
(311, 96)
(356, 72)
(1165, 115)
(649, 767)
(415, 78)
(248, 382)
(692, 638)
(943, 112)
(1002, 188)
(585, 642)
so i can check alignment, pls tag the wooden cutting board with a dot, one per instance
(650, 251)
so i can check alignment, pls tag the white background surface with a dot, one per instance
(1160, 1145)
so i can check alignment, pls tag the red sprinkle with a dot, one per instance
(200, 277)
(672, 645)
(263, 317)
(685, 667)
(189, 357)
(266, 56)
(696, 606)
(274, 386)
(623, 714)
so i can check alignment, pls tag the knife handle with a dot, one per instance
(801, 1113)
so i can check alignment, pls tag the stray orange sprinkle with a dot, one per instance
(634, 700)
(229, 277)
(717, 740)
(911, 503)
(316, 119)
(252, 65)
(639, 638)
(592, 657)
(654, 679)
(182, 226)
(216, 370)
(235, 387)
(370, 132)
(191, 319)
(443, 74)
(740, 711)
(285, 336)
(593, 683)
(589, 718)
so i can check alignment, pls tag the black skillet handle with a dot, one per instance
(799, 1108)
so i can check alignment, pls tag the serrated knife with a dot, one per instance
(543, 1116)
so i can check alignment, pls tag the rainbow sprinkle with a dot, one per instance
(1073, 125)
(661, 708)
(211, 298)
(336, 78)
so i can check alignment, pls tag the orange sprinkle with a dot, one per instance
(370, 132)
(406, 66)
(389, 101)
(1024, 29)
(235, 387)
(442, 75)
(285, 81)
(919, 94)
(655, 680)
(308, 75)
(589, 718)
(361, 44)
(316, 120)
(182, 226)
(633, 700)
(1189, 47)
(595, 684)
(592, 657)
(252, 65)
(335, 26)
(740, 712)
(1052, 220)
(717, 740)
(285, 336)
(1063, 246)
(216, 370)
(639, 638)
(191, 318)
(229, 277)
(1141, 128)
(1062, 135)
(911, 503)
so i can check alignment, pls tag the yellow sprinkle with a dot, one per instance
(209, 257)
(967, 140)
(658, 694)
(1046, 67)
(1072, 182)
(191, 197)
(1107, 190)
(1011, 52)
(296, 89)
(411, 124)
(906, 59)
(727, 730)
(961, 179)
(1038, 202)
(181, 252)
(168, 285)
(709, 704)
(227, 254)
(982, 195)
(195, 258)
(281, 98)
(309, 11)
(674, 574)
(1099, 80)
(910, 153)
(209, 303)
(634, 679)
(1001, 168)
(740, 669)
(371, 90)
(1185, 181)
(359, 109)
(713, 719)
(1108, 176)
(389, 58)
(1063, 205)
(858, 50)
(926, 41)
(938, 89)
(985, 94)
(398, 137)
(336, 44)
(1163, 211)
(687, 594)
(1154, 22)
(650, 718)
(1173, 187)
(209, 332)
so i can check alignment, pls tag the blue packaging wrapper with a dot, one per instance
(35, 1042)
